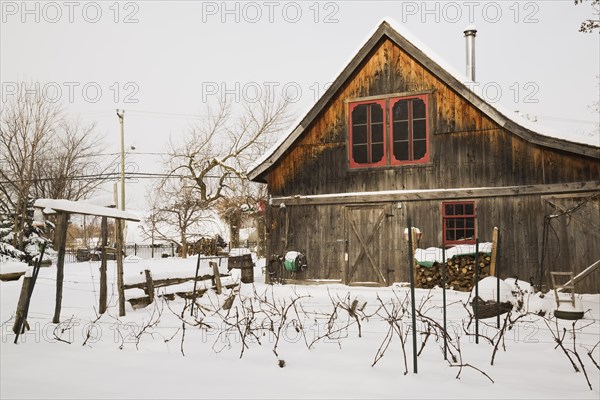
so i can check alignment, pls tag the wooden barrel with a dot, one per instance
(244, 264)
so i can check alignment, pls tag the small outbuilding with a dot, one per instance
(399, 134)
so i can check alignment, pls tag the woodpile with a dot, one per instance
(460, 272)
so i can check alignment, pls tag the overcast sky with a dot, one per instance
(160, 61)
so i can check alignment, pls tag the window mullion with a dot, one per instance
(410, 130)
(369, 141)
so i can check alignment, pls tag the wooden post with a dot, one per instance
(26, 293)
(413, 240)
(494, 252)
(476, 300)
(18, 326)
(444, 266)
(103, 283)
(215, 269)
(119, 256)
(195, 283)
(496, 271)
(411, 260)
(149, 285)
(63, 219)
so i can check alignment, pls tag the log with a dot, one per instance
(460, 272)
(168, 281)
(11, 276)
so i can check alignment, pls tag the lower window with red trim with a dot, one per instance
(459, 222)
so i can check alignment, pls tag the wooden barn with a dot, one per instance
(399, 135)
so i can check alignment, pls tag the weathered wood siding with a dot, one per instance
(467, 148)
(573, 237)
(322, 233)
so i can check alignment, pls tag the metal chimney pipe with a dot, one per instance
(470, 33)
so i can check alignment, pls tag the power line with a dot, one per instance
(128, 175)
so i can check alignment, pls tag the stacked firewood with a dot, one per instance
(460, 272)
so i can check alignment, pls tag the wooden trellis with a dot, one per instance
(63, 209)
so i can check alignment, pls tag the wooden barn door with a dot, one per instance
(572, 237)
(368, 238)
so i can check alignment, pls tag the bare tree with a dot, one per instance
(42, 154)
(27, 124)
(243, 209)
(177, 213)
(216, 153)
(67, 171)
(589, 25)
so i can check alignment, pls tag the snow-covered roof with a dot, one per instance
(80, 207)
(457, 80)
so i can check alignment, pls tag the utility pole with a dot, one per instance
(121, 116)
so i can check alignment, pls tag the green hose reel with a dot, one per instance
(294, 261)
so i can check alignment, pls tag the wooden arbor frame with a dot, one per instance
(64, 208)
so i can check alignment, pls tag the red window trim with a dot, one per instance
(425, 158)
(388, 159)
(446, 217)
(383, 162)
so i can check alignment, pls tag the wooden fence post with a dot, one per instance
(215, 268)
(120, 288)
(494, 252)
(103, 283)
(20, 315)
(63, 219)
(149, 285)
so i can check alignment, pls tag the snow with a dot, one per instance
(291, 256)
(488, 290)
(569, 307)
(434, 254)
(8, 267)
(80, 207)
(113, 363)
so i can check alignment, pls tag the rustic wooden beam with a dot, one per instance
(63, 220)
(168, 281)
(436, 194)
(11, 276)
(494, 252)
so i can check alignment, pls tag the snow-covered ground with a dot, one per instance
(142, 355)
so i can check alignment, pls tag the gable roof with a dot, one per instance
(443, 71)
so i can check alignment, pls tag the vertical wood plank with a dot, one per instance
(494, 252)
